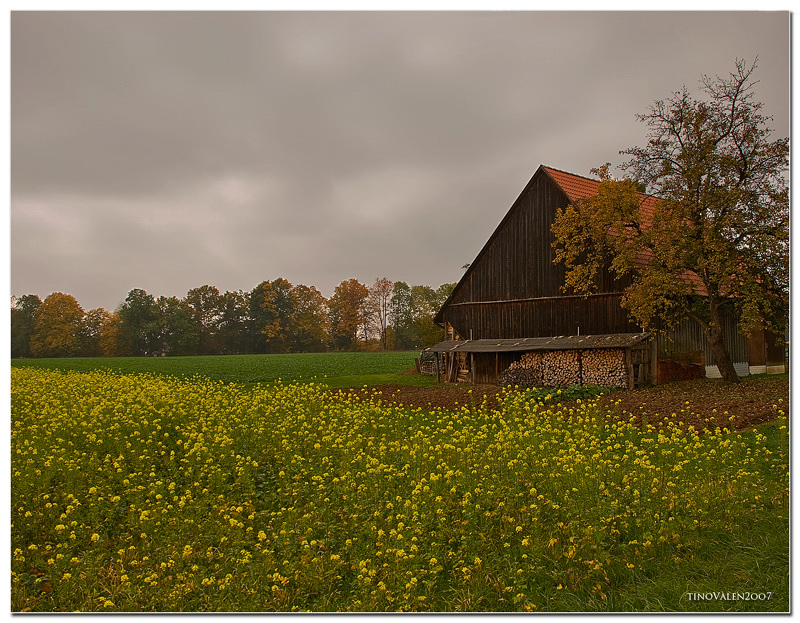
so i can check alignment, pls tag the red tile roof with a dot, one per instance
(577, 187)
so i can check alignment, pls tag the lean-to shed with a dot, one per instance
(618, 360)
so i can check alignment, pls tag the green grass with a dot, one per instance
(734, 555)
(333, 369)
(553, 395)
(359, 380)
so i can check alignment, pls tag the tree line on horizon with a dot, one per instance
(274, 317)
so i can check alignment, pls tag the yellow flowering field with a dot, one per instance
(135, 492)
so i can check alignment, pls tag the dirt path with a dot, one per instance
(749, 402)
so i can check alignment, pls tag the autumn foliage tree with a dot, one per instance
(110, 339)
(272, 312)
(286, 318)
(347, 309)
(717, 237)
(57, 327)
(311, 321)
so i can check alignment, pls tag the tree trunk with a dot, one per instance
(718, 349)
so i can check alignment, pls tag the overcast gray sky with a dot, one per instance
(166, 151)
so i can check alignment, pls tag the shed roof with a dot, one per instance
(560, 342)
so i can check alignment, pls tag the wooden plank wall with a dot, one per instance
(517, 261)
(542, 317)
(488, 366)
(688, 338)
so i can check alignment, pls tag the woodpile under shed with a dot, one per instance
(606, 367)
(526, 371)
(612, 360)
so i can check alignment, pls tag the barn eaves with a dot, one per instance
(527, 344)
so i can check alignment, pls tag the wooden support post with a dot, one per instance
(654, 361)
(629, 368)
(472, 366)
(437, 368)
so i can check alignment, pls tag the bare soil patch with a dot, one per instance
(712, 402)
(703, 403)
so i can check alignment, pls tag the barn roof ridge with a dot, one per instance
(645, 197)
(557, 170)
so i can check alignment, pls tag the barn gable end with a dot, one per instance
(513, 288)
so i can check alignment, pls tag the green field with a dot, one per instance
(152, 492)
(334, 369)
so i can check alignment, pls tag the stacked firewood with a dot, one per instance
(605, 366)
(526, 371)
(561, 367)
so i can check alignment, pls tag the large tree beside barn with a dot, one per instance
(716, 237)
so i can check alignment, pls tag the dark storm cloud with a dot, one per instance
(169, 150)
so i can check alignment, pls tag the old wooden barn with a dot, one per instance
(511, 293)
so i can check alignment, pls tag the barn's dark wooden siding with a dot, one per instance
(686, 343)
(599, 314)
(517, 262)
(513, 288)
